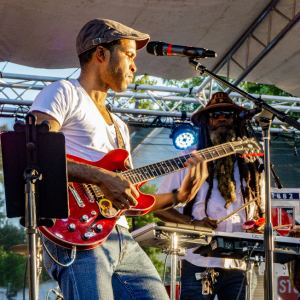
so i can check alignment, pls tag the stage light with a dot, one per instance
(183, 135)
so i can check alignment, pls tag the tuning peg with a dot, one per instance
(245, 138)
(233, 139)
(239, 139)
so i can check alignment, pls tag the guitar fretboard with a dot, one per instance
(149, 172)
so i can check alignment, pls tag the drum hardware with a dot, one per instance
(23, 250)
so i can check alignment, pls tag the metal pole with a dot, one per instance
(249, 279)
(174, 241)
(31, 227)
(268, 231)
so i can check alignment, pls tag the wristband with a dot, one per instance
(176, 203)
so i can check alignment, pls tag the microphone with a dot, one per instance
(247, 114)
(161, 49)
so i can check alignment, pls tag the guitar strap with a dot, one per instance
(120, 140)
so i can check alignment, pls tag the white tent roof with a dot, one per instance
(42, 34)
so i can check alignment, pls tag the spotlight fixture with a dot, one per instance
(183, 135)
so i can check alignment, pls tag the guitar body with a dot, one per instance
(81, 228)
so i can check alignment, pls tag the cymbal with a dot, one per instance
(22, 249)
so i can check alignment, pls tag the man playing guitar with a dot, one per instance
(118, 268)
(231, 183)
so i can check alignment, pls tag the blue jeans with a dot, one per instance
(117, 269)
(227, 286)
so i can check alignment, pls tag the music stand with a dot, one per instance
(37, 158)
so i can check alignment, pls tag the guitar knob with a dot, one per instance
(86, 236)
(98, 228)
(71, 227)
(84, 218)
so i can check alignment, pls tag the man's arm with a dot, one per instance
(172, 215)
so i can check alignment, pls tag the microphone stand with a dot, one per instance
(262, 167)
(265, 120)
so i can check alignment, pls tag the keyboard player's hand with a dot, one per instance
(295, 232)
(206, 222)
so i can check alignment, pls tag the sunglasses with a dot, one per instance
(217, 114)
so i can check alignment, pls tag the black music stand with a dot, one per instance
(34, 156)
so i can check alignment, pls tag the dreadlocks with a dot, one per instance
(223, 170)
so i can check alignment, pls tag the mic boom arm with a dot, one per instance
(257, 101)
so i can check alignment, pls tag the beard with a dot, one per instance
(224, 168)
(222, 137)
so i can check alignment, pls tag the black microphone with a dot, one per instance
(160, 49)
(247, 114)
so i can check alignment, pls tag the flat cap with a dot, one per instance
(99, 31)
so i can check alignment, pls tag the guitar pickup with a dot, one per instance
(88, 192)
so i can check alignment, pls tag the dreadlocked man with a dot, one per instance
(231, 183)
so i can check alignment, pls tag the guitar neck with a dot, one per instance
(149, 172)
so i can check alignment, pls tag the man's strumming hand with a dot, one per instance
(118, 190)
(194, 179)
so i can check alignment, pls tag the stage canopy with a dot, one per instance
(41, 34)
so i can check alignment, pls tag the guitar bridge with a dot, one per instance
(89, 193)
(75, 195)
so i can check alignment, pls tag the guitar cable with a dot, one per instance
(73, 255)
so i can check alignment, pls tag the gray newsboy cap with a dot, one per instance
(99, 31)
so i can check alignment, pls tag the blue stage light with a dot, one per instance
(183, 135)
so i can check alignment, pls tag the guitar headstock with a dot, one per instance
(247, 147)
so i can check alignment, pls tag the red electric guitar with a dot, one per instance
(92, 216)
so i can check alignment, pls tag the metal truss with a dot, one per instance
(139, 104)
(243, 44)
